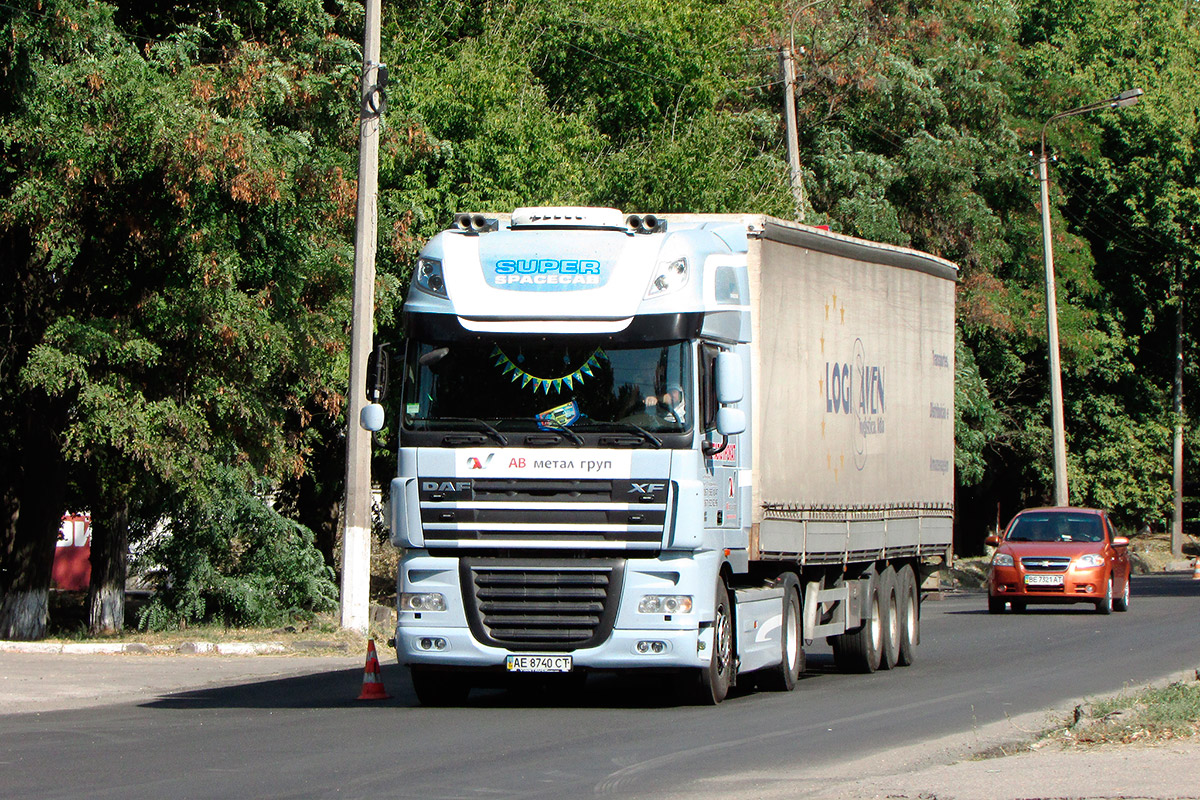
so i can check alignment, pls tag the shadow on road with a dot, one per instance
(340, 688)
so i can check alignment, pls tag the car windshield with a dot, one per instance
(1055, 526)
(530, 385)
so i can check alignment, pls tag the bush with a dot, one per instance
(230, 557)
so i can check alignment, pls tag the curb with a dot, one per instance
(183, 648)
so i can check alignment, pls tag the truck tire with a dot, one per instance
(716, 678)
(889, 606)
(910, 615)
(859, 650)
(437, 688)
(783, 676)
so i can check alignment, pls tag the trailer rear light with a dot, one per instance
(665, 604)
(431, 643)
(651, 647)
(426, 601)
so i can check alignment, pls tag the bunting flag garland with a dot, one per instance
(545, 385)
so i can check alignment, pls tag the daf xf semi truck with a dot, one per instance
(685, 444)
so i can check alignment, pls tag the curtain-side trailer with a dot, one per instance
(668, 443)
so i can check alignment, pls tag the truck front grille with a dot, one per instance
(521, 604)
(497, 514)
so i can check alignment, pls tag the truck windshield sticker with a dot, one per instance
(559, 417)
(510, 368)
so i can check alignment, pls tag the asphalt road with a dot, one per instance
(616, 738)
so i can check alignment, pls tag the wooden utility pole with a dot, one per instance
(789, 114)
(356, 536)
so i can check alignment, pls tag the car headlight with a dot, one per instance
(1090, 560)
(1002, 560)
(665, 604)
(425, 601)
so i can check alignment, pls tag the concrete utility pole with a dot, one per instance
(1177, 474)
(793, 144)
(1058, 429)
(356, 537)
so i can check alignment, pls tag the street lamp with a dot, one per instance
(1061, 498)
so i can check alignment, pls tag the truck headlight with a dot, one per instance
(665, 604)
(1002, 560)
(424, 601)
(1090, 560)
(669, 277)
(428, 276)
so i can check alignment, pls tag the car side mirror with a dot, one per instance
(992, 541)
(1120, 541)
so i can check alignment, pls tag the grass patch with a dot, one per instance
(1149, 716)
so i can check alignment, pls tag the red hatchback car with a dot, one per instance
(1059, 555)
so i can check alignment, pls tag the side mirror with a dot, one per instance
(992, 541)
(378, 363)
(1120, 541)
(730, 385)
(731, 421)
(371, 418)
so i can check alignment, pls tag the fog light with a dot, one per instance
(650, 646)
(431, 643)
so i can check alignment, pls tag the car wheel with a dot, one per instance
(1122, 602)
(996, 605)
(1105, 606)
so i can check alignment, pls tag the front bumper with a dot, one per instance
(681, 640)
(1087, 584)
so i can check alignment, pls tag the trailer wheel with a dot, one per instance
(783, 676)
(716, 678)
(859, 651)
(889, 605)
(437, 688)
(910, 615)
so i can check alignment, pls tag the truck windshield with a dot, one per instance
(524, 385)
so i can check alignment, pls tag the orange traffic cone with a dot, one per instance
(1196, 570)
(372, 688)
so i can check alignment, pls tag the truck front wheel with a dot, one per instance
(716, 678)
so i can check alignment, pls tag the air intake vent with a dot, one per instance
(540, 606)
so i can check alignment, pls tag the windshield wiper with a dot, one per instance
(567, 433)
(639, 430)
(496, 435)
